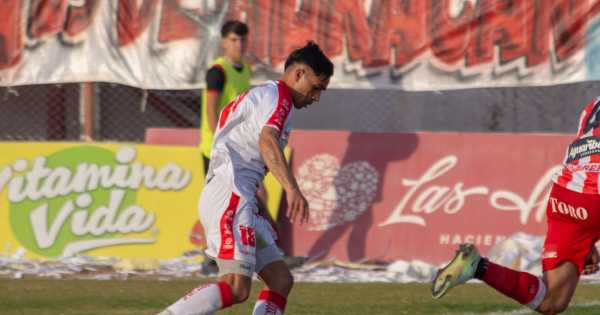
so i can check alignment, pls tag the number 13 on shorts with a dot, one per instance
(247, 236)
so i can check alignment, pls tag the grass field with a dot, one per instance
(142, 296)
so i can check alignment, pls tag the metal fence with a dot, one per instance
(125, 112)
(113, 112)
(117, 112)
(39, 112)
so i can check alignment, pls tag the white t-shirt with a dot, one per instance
(235, 152)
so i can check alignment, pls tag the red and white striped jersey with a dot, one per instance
(235, 152)
(582, 159)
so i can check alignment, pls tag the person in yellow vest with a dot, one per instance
(228, 77)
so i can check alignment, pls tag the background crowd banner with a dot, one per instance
(412, 44)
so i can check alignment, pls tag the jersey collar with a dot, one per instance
(286, 91)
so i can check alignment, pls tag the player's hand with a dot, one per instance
(591, 262)
(297, 206)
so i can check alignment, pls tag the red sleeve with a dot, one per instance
(282, 109)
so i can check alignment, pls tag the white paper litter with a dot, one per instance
(521, 251)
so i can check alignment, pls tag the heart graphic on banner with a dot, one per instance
(336, 194)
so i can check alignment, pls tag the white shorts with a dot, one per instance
(233, 227)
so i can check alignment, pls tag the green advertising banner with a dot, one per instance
(130, 201)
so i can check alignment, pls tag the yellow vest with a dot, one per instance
(236, 82)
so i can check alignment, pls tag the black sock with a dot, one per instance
(481, 268)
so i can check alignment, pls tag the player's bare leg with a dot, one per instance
(561, 283)
(279, 282)
(209, 298)
(240, 286)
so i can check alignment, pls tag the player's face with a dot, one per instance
(309, 87)
(234, 46)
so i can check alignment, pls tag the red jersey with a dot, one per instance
(582, 159)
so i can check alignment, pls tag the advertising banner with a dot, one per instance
(419, 195)
(372, 196)
(123, 200)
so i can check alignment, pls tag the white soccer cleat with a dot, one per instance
(458, 271)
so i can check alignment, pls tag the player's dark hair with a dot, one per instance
(234, 26)
(312, 56)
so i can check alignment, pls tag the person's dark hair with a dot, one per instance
(312, 56)
(233, 26)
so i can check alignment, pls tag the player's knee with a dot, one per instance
(553, 306)
(560, 306)
(240, 293)
(283, 284)
(288, 281)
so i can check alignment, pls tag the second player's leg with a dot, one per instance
(277, 277)
(279, 282)
(273, 271)
(561, 283)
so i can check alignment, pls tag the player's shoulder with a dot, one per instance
(269, 87)
(266, 91)
(217, 66)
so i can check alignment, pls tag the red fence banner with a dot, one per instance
(409, 44)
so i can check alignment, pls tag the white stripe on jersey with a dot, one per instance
(578, 175)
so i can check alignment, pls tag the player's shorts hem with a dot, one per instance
(238, 267)
(553, 263)
(267, 255)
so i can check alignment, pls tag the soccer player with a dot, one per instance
(573, 219)
(250, 135)
(228, 77)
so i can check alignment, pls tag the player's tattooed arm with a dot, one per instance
(275, 161)
(274, 158)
